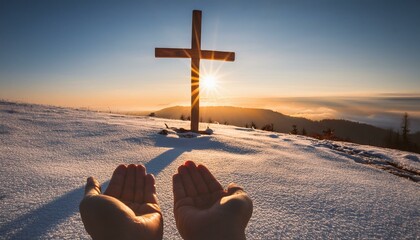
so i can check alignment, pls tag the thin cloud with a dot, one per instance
(382, 110)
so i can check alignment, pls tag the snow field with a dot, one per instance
(302, 188)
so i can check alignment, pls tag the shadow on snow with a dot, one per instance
(39, 221)
(36, 223)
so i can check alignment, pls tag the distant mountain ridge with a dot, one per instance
(353, 131)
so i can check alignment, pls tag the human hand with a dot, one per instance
(203, 210)
(127, 210)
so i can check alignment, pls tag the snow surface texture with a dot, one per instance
(302, 188)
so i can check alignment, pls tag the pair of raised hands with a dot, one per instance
(129, 207)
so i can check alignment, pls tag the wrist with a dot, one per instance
(231, 235)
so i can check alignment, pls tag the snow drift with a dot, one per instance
(301, 187)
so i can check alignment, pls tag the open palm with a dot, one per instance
(127, 210)
(203, 210)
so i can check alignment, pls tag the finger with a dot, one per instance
(178, 188)
(217, 195)
(116, 184)
(92, 187)
(233, 188)
(150, 189)
(209, 179)
(197, 179)
(129, 184)
(187, 181)
(140, 178)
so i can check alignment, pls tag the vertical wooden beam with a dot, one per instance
(195, 53)
(195, 70)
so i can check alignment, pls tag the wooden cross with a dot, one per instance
(195, 53)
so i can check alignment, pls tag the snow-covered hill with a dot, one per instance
(301, 187)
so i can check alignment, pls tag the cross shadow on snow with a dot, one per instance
(205, 142)
(36, 223)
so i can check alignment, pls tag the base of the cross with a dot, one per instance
(183, 131)
(195, 53)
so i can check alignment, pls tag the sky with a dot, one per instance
(358, 60)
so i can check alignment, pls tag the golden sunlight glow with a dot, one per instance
(209, 83)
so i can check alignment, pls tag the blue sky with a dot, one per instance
(100, 54)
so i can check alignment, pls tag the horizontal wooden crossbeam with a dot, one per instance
(189, 53)
(196, 54)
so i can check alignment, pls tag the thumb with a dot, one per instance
(234, 188)
(92, 187)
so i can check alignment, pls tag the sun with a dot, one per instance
(209, 83)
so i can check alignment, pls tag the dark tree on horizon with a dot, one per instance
(294, 130)
(405, 128)
(328, 134)
(268, 127)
